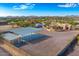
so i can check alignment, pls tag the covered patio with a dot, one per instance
(21, 36)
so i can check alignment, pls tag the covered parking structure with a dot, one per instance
(20, 36)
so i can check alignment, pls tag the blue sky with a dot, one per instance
(39, 9)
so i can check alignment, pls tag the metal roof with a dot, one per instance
(24, 31)
(21, 32)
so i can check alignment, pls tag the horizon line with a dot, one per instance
(40, 16)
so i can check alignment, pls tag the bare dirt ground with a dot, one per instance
(3, 52)
(51, 45)
(75, 52)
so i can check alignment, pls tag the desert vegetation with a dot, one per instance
(56, 22)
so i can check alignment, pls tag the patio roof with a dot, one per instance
(24, 31)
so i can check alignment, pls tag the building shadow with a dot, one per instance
(69, 48)
(44, 37)
(31, 40)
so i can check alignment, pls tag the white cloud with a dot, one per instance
(68, 5)
(24, 6)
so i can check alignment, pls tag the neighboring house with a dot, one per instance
(4, 26)
(13, 25)
(39, 25)
(3, 23)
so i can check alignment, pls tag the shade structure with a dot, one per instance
(21, 32)
(24, 31)
(9, 36)
(21, 36)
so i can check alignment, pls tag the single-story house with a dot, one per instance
(39, 25)
(4, 26)
(3, 23)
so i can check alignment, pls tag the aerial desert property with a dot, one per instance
(39, 29)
